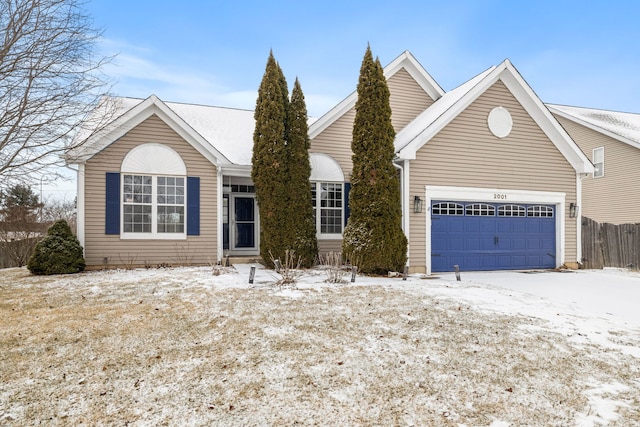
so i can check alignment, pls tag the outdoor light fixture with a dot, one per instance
(572, 210)
(417, 204)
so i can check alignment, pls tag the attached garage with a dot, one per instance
(492, 236)
(494, 229)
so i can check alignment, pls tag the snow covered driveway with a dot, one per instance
(610, 293)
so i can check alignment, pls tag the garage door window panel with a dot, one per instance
(480, 209)
(540, 211)
(512, 211)
(447, 208)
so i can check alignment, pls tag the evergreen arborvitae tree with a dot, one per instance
(373, 238)
(299, 170)
(269, 170)
(59, 252)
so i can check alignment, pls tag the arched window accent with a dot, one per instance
(325, 168)
(512, 210)
(447, 208)
(153, 159)
(153, 193)
(328, 195)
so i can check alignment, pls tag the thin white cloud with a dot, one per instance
(138, 74)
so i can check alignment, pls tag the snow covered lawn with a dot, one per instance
(186, 347)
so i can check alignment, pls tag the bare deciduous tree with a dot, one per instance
(50, 80)
(54, 209)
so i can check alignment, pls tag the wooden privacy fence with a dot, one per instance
(610, 245)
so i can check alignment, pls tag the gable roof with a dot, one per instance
(225, 135)
(405, 61)
(424, 126)
(222, 135)
(444, 110)
(624, 127)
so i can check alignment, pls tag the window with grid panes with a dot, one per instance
(326, 198)
(153, 204)
(598, 162)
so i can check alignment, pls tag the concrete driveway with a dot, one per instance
(608, 292)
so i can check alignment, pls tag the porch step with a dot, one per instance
(254, 259)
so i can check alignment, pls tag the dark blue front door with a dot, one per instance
(245, 236)
(484, 236)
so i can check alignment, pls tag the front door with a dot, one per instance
(244, 236)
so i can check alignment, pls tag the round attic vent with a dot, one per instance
(500, 122)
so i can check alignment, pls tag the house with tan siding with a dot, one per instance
(611, 140)
(489, 178)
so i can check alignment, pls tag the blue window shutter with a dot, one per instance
(347, 211)
(112, 203)
(193, 206)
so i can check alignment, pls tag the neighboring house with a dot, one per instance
(488, 176)
(611, 140)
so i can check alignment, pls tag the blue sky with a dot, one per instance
(214, 52)
(582, 53)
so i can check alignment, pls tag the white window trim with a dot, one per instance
(153, 235)
(601, 149)
(328, 236)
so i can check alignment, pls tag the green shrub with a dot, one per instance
(373, 238)
(281, 170)
(59, 252)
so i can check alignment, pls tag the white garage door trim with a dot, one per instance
(495, 195)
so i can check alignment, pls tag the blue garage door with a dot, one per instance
(489, 236)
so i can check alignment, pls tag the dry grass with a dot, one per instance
(139, 352)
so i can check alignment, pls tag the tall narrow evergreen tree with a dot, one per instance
(269, 171)
(299, 171)
(373, 237)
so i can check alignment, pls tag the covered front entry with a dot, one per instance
(240, 220)
(492, 236)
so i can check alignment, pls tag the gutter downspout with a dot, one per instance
(219, 205)
(579, 178)
(404, 197)
(80, 207)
